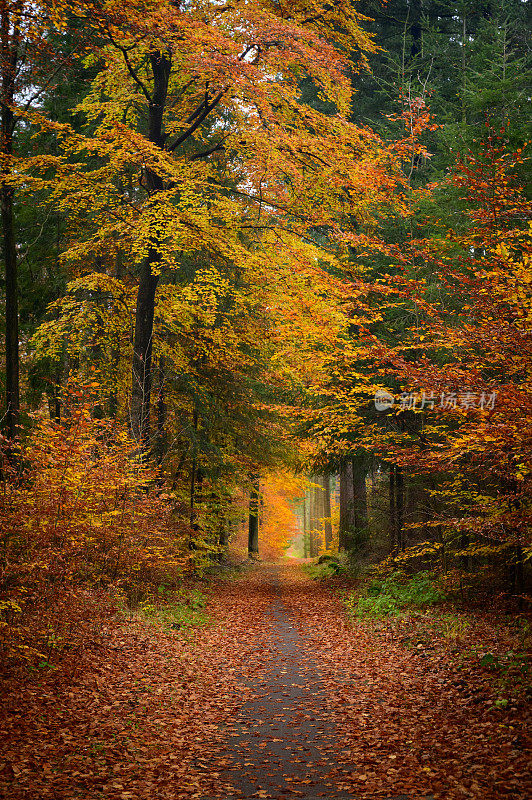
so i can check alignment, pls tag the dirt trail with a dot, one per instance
(285, 743)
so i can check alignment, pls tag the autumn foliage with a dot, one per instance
(268, 294)
(446, 333)
(465, 367)
(79, 520)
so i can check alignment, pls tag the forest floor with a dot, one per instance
(279, 696)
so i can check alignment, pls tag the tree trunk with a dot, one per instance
(327, 511)
(347, 506)
(360, 499)
(399, 506)
(223, 541)
(305, 526)
(315, 517)
(393, 513)
(253, 529)
(396, 508)
(8, 67)
(142, 353)
(160, 445)
(320, 513)
(141, 378)
(224, 534)
(193, 472)
(517, 574)
(311, 518)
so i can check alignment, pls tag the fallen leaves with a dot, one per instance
(137, 719)
(154, 714)
(397, 711)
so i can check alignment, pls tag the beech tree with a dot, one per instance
(197, 111)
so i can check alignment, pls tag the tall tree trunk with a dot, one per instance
(305, 526)
(360, 498)
(223, 537)
(193, 473)
(320, 513)
(141, 378)
(347, 505)
(327, 511)
(311, 519)
(223, 540)
(253, 527)
(315, 518)
(517, 560)
(160, 445)
(517, 574)
(224, 532)
(399, 506)
(9, 53)
(393, 512)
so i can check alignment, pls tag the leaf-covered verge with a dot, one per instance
(416, 612)
(140, 711)
(420, 614)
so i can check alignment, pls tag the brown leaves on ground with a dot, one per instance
(140, 719)
(149, 711)
(413, 722)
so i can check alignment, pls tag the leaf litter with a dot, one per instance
(281, 697)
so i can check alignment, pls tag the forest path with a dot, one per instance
(284, 743)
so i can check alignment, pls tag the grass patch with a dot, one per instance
(394, 594)
(181, 609)
(452, 626)
(323, 569)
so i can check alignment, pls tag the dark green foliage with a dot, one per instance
(394, 594)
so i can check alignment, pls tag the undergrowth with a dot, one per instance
(327, 566)
(180, 609)
(82, 524)
(491, 651)
(394, 594)
(322, 571)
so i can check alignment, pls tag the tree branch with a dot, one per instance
(215, 148)
(124, 51)
(198, 115)
(204, 114)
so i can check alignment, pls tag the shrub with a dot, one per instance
(78, 514)
(184, 609)
(323, 569)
